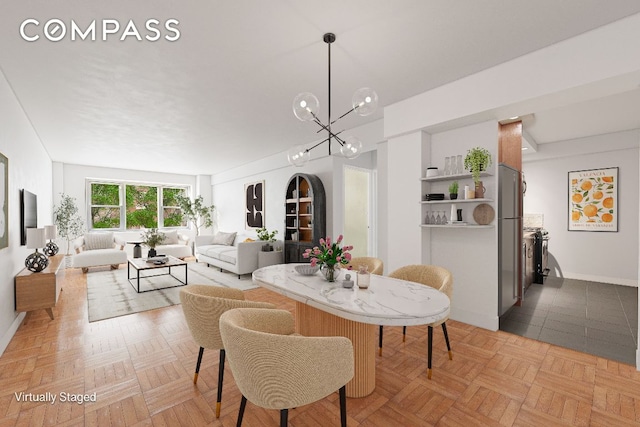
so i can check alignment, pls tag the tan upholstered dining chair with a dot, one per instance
(277, 369)
(202, 306)
(439, 278)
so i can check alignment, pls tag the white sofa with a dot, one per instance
(175, 244)
(228, 251)
(98, 249)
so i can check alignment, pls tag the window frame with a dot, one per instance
(122, 185)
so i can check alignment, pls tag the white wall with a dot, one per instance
(470, 254)
(29, 168)
(597, 256)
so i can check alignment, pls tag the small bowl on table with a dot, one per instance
(307, 269)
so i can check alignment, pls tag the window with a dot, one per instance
(129, 206)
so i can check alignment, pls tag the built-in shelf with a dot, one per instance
(453, 177)
(455, 226)
(436, 202)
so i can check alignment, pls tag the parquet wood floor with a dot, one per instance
(141, 368)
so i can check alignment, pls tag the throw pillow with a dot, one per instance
(222, 238)
(94, 241)
(170, 238)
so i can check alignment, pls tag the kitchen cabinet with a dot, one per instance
(463, 179)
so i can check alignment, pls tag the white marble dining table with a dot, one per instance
(328, 309)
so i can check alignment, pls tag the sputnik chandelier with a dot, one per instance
(306, 106)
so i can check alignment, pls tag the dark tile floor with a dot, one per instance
(595, 318)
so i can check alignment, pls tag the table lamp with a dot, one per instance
(37, 261)
(50, 232)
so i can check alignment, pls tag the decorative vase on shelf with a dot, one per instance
(330, 272)
(479, 190)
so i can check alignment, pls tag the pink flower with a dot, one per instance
(321, 241)
(305, 254)
(339, 239)
(348, 257)
(328, 241)
(314, 262)
(338, 258)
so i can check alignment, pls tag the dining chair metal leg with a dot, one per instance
(429, 346)
(380, 342)
(446, 338)
(220, 377)
(195, 376)
(284, 417)
(404, 334)
(243, 404)
(343, 406)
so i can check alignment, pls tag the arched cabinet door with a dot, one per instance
(305, 215)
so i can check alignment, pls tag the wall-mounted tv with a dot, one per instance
(28, 213)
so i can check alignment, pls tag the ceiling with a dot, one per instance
(220, 96)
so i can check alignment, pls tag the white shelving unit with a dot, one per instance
(455, 177)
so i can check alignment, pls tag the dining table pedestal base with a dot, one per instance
(311, 321)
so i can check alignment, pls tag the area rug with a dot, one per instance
(109, 293)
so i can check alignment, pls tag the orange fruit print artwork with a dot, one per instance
(592, 200)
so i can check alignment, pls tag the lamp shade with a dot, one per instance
(35, 238)
(50, 232)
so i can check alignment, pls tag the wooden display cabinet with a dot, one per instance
(305, 222)
(36, 291)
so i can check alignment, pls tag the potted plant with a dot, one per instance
(68, 221)
(329, 256)
(152, 238)
(267, 236)
(478, 159)
(453, 190)
(196, 211)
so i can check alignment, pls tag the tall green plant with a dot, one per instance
(68, 220)
(196, 211)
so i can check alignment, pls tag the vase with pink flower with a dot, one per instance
(330, 256)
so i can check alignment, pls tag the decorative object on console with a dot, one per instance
(152, 238)
(305, 107)
(364, 276)
(67, 220)
(478, 159)
(593, 200)
(307, 269)
(37, 261)
(4, 202)
(254, 202)
(347, 282)
(453, 190)
(268, 237)
(50, 233)
(432, 171)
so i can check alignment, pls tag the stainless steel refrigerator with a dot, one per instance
(509, 237)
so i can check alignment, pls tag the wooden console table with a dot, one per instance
(36, 291)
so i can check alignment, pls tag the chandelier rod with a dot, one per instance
(328, 39)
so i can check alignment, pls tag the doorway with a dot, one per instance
(359, 210)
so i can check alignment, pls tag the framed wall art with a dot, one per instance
(254, 202)
(593, 200)
(4, 200)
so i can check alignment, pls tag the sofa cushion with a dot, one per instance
(212, 251)
(230, 255)
(170, 237)
(222, 238)
(93, 241)
(98, 257)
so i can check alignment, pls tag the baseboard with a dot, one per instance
(591, 278)
(476, 319)
(6, 339)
